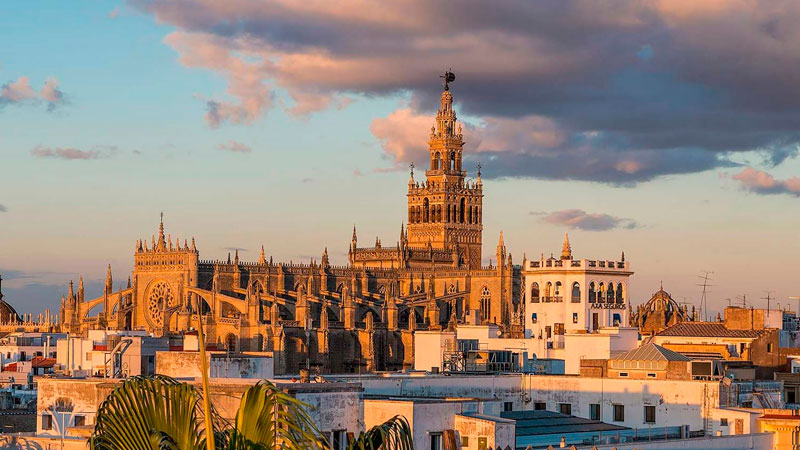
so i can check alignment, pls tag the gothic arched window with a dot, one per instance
(535, 293)
(486, 304)
(619, 293)
(576, 292)
(461, 211)
(230, 343)
(436, 159)
(610, 293)
(592, 293)
(426, 211)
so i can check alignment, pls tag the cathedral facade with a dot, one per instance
(349, 318)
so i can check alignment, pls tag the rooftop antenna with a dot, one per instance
(796, 297)
(743, 298)
(768, 298)
(706, 277)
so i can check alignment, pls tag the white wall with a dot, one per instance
(429, 347)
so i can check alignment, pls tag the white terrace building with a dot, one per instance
(574, 296)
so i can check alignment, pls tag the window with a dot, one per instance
(594, 411)
(617, 320)
(549, 331)
(574, 317)
(565, 408)
(47, 422)
(339, 440)
(592, 293)
(88, 356)
(651, 375)
(576, 292)
(535, 293)
(623, 374)
(436, 441)
(533, 318)
(558, 328)
(482, 443)
(80, 421)
(769, 347)
(464, 441)
(508, 406)
(619, 413)
(649, 414)
(558, 288)
(540, 406)
(486, 304)
(723, 422)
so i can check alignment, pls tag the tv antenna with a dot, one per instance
(768, 298)
(706, 277)
(743, 298)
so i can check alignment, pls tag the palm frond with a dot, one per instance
(268, 418)
(394, 434)
(148, 413)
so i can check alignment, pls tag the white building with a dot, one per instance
(567, 295)
(24, 346)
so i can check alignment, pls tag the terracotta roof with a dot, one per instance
(651, 352)
(707, 329)
(40, 361)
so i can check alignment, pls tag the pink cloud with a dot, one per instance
(761, 182)
(69, 153)
(235, 147)
(17, 91)
(114, 13)
(578, 218)
(21, 90)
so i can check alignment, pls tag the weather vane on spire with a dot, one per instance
(449, 77)
(411, 166)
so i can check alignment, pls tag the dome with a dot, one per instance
(7, 312)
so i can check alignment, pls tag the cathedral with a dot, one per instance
(358, 317)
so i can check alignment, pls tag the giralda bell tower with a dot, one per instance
(445, 211)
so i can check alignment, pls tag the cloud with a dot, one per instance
(619, 93)
(760, 182)
(233, 249)
(20, 91)
(114, 13)
(578, 218)
(3, 208)
(68, 153)
(235, 147)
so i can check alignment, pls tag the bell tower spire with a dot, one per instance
(566, 249)
(445, 210)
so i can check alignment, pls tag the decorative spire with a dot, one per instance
(479, 181)
(325, 261)
(411, 167)
(1, 288)
(162, 243)
(109, 284)
(501, 243)
(262, 259)
(229, 257)
(194, 248)
(623, 257)
(71, 294)
(129, 282)
(236, 257)
(566, 250)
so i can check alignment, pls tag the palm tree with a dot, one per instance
(160, 413)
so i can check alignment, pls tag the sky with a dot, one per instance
(665, 129)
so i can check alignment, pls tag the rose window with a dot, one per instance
(160, 298)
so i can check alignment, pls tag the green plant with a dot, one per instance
(160, 413)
